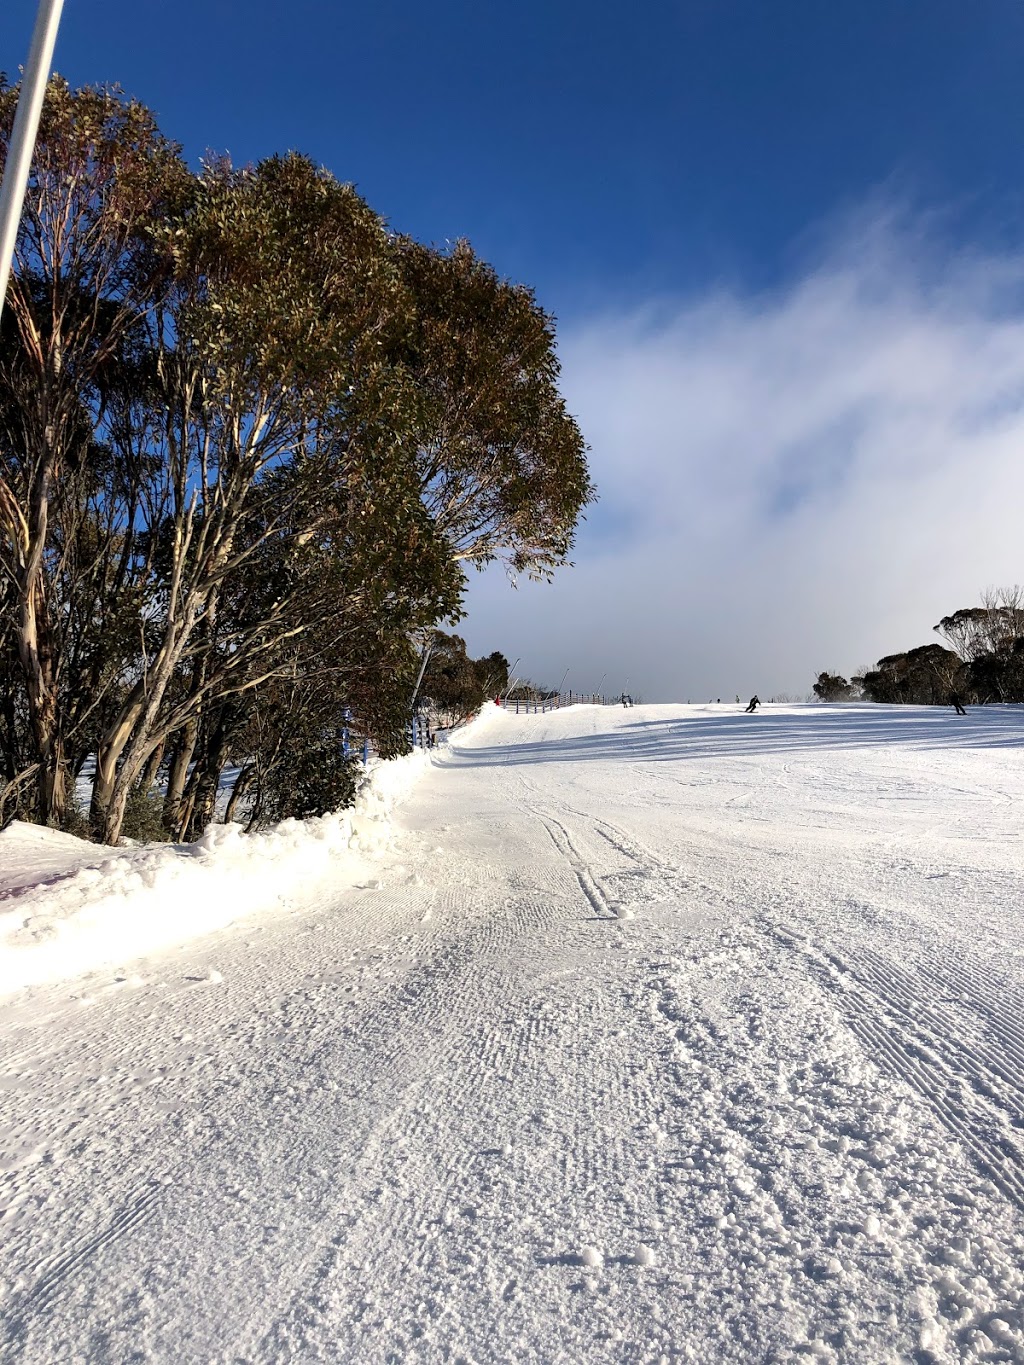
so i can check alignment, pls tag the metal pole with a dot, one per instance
(23, 134)
(428, 649)
(562, 683)
(511, 674)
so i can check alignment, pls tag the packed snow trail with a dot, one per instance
(664, 1033)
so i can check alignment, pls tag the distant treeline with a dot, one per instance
(455, 686)
(251, 441)
(984, 664)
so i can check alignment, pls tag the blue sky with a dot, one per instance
(670, 177)
(586, 148)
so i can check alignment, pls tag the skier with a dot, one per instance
(755, 702)
(956, 702)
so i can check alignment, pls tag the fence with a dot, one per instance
(422, 736)
(418, 731)
(540, 705)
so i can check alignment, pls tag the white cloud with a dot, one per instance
(788, 483)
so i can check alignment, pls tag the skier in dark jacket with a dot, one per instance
(956, 701)
(755, 702)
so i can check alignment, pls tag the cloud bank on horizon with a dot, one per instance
(789, 482)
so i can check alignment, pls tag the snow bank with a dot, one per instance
(67, 907)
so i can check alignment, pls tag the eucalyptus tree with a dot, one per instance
(500, 462)
(366, 574)
(283, 292)
(454, 685)
(83, 278)
(832, 687)
(249, 443)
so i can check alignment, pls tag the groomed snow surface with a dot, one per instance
(668, 1033)
(71, 907)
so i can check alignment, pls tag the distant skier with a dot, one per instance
(956, 701)
(755, 702)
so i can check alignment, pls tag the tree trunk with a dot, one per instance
(108, 756)
(149, 772)
(204, 798)
(36, 657)
(242, 784)
(181, 759)
(113, 815)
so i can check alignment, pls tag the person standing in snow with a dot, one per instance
(755, 702)
(956, 702)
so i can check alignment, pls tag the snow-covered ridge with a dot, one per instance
(68, 907)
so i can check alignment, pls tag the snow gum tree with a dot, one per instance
(250, 441)
(990, 641)
(82, 280)
(501, 464)
(924, 676)
(986, 663)
(832, 687)
(283, 291)
(455, 686)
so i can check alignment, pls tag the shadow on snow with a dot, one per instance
(716, 736)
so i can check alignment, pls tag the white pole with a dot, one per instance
(23, 134)
(428, 649)
(512, 675)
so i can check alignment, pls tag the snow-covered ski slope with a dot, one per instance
(660, 1034)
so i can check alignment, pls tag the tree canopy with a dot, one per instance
(833, 687)
(985, 663)
(250, 441)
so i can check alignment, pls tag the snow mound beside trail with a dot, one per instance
(68, 907)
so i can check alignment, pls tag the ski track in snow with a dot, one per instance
(951, 1030)
(663, 1034)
